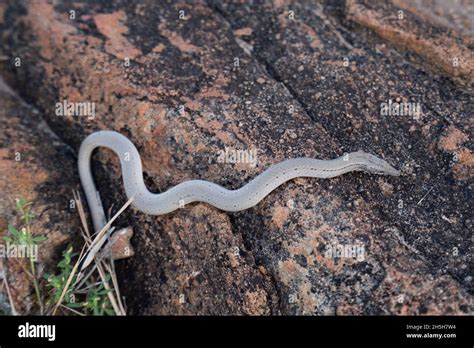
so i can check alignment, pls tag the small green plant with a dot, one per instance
(24, 237)
(96, 301)
(84, 293)
(58, 282)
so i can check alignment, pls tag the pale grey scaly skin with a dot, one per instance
(204, 191)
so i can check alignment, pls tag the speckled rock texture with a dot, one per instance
(32, 163)
(186, 80)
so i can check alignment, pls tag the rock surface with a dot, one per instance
(33, 160)
(185, 81)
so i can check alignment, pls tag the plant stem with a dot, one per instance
(35, 282)
(33, 268)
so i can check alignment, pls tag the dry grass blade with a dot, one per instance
(96, 243)
(116, 287)
(10, 299)
(81, 279)
(69, 280)
(72, 310)
(110, 294)
(82, 215)
(93, 247)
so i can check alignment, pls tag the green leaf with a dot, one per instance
(20, 203)
(74, 305)
(109, 311)
(104, 292)
(13, 230)
(39, 239)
